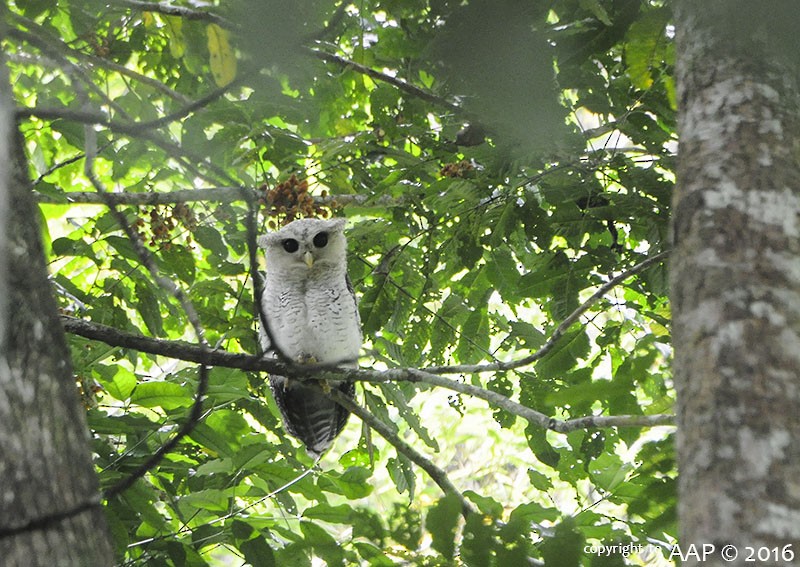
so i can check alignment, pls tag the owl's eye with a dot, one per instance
(321, 239)
(290, 245)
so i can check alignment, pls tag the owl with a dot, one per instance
(312, 314)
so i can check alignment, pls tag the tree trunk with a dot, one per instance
(735, 275)
(50, 510)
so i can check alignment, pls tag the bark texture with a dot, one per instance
(50, 513)
(736, 280)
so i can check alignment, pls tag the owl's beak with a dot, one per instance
(308, 258)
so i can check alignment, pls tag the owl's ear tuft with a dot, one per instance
(263, 240)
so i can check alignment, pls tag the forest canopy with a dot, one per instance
(506, 171)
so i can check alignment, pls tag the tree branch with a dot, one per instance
(43, 39)
(191, 353)
(211, 194)
(52, 48)
(128, 128)
(132, 129)
(181, 11)
(51, 520)
(560, 330)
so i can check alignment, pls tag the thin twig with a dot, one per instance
(193, 106)
(383, 77)
(559, 331)
(72, 70)
(436, 474)
(55, 167)
(133, 129)
(227, 516)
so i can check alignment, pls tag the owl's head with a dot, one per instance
(305, 244)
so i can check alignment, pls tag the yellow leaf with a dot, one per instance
(177, 42)
(222, 57)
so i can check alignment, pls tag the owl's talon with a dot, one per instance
(306, 359)
(325, 386)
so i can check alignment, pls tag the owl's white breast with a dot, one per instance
(313, 316)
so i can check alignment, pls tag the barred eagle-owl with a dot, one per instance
(312, 314)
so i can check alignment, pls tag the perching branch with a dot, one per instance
(437, 475)
(498, 400)
(191, 353)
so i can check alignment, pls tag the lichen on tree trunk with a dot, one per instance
(735, 274)
(50, 512)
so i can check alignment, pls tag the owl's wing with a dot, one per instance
(310, 415)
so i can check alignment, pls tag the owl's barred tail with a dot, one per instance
(310, 415)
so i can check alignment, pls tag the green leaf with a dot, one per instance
(531, 337)
(537, 441)
(211, 499)
(122, 384)
(341, 514)
(258, 553)
(608, 471)
(441, 522)
(539, 480)
(149, 309)
(533, 512)
(323, 544)
(398, 399)
(161, 394)
(474, 339)
(210, 239)
(477, 542)
(488, 506)
(352, 484)
(402, 474)
(565, 548)
(596, 8)
(565, 355)
(502, 271)
(645, 46)
(222, 56)
(177, 42)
